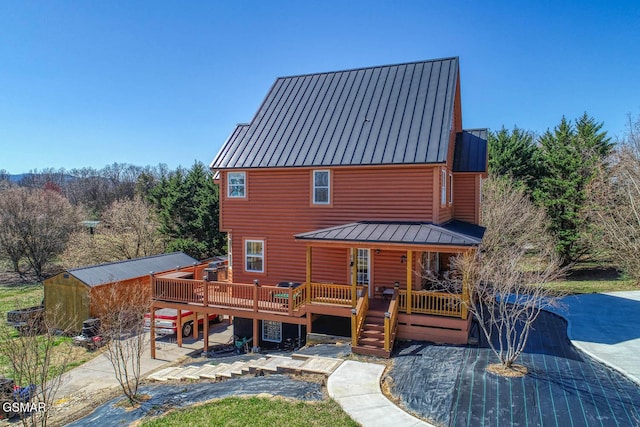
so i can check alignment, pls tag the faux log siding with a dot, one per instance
(465, 197)
(278, 206)
(388, 269)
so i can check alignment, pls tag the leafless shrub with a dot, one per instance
(122, 317)
(35, 359)
(507, 275)
(615, 209)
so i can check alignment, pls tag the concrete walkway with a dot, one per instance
(356, 387)
(606, 327)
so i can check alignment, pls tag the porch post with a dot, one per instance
(309, 261)
(354, 278)
(152, 332)
(409, 277)
(205, 332)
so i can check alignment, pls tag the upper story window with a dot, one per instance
(443, 188)
(450, 188)
(254, 256)
(236, 184)
(321, 187)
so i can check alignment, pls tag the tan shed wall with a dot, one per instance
(66, 302)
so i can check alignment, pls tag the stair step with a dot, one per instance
(234, 370)
(195, 375)
(213, 373)
(161, 375)
(189, 373)
(320, 365)
(372, 333)
(371, 341)
(176, 374)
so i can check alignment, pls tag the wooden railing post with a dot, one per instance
(409, 277)
(205, 290)
(387, 331)
(354, 327)
(256, 285)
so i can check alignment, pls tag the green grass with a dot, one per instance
(597, 276)
(257, 412)
(20, 296)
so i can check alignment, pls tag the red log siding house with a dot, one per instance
(353, 184)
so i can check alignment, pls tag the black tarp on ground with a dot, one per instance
(166, 397)
(563, 386)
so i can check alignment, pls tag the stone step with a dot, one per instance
(320, 365)
(213, 372)
(233, 370)
(161, 375)
(176, 374)
(191, 373)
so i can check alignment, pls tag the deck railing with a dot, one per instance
(391, 321)
(331, 293)
(358, 315)
(435, 303)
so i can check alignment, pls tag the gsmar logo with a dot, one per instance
(24, 407)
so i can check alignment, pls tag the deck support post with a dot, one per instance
(205, 333)
(256, 342)
(354, 277)
(179, 328)
(152, 331)
(256, 284)
(409, 277)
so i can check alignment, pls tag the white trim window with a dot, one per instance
(443, 188)
(450, 188)
(236, 184)
(363, 266)
(254, 256)
(271, 331)
(321, 187)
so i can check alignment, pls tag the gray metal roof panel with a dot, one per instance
(470, 154)
(101, 274)
(394, 114)
(454, 233)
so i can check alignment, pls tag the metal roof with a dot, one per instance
(454, 233)
(96, 275)
(392, 114)
(470, 154)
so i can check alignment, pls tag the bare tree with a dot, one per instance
(122, 316)
(507, 275)
(40, 221)
(36, 359)
(615, 208)
(130, 230)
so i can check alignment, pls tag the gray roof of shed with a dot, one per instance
(454, 233)
(101, 274)
(470, 154)
(393, 114)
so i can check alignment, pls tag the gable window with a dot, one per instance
(236, 184)
(254, 256)
(450, 188)
(321, 188)
(271, 331)
(443, 188)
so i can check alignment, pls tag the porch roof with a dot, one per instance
(453, 233)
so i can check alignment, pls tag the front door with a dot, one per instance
(364, 269)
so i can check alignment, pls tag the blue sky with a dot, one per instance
(90, 83)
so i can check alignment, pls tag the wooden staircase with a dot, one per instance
(371, 339)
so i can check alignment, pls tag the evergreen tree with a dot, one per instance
(568, 158)
(511, 153)
(187, 203)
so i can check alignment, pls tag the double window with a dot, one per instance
(254, 256)
(321, 187)
(236, 184)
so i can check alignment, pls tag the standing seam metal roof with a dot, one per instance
(470, 153)
(101, 274)
(454, 233)
(393, 114)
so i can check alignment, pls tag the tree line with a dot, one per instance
(88, 216)
(588, 186)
